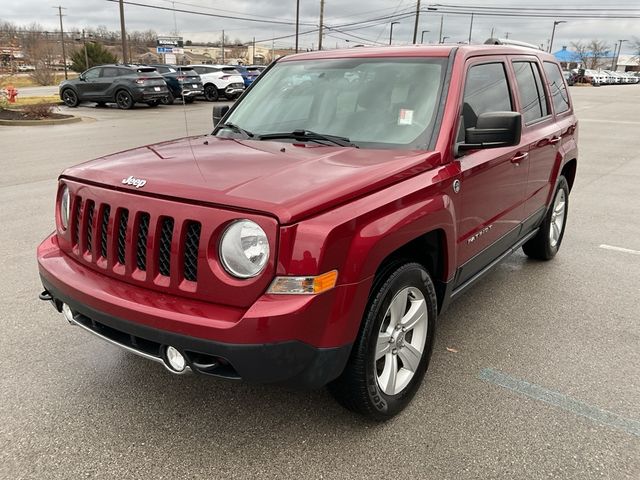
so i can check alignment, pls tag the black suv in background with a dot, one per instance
(183, 82)
(123, 85)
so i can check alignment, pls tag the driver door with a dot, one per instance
(493, 180)
(88, 87)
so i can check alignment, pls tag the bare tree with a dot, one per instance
(41, 52)
(592, 55)
(635, 46)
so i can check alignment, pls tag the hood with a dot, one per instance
(284, 180)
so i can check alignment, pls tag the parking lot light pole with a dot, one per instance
(391, 32)
(616, 56)
(553, 33)
(422, 37)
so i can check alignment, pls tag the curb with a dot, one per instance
(50, 121)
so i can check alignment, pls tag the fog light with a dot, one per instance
(175, 359)
(68, 314)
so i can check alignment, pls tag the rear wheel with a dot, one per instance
(392, 351)
(168, 99)
(546, 243)
(70, 98)
(124, 100)
(211, 93)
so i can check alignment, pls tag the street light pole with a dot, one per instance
(617, 56)
(422, 37)
(553, 33)
(415, 27)
(441, 25)
(470, 28)
(391, 32)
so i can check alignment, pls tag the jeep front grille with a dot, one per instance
(101, 234)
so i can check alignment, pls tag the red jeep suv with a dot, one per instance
(335, 210)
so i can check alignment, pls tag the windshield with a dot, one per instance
(374, 102)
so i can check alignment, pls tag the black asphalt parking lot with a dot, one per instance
(535, 371)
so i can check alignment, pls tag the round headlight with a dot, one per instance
(65, 207)
(244, 249)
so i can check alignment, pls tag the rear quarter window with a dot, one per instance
(557, 87)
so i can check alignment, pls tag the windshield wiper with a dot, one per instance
(309, 135)
(235, 128)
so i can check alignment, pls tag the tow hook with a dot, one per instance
(45, 296)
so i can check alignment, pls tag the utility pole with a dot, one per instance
(297, 22)
(506, 35)
(123, 34)
(64, 51)
(470, 28)
(222, 45)
(415, 27)
(321, 24)
(86, 55)
(441, 25)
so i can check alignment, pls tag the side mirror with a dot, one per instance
(219, 111)
(493, 130)
(81, 77)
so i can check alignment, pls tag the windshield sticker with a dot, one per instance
(405, 117)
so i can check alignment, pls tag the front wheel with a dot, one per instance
(392, 351)
(124, 100)
(546, 243)
(70, 98)
(211, 93)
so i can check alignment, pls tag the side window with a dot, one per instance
(92, 74)
(200, 70)
(109, 72)
(486, 90)
(124, 71)
(533, 98)
(557, 86)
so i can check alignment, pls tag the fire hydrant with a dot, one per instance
(12, 93)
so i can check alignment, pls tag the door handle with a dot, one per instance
(554, 140)
(516, 159)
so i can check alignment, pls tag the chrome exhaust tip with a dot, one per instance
(68, 314)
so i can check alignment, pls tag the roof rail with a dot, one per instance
(508, 41)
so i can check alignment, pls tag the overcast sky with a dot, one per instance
(84, 13)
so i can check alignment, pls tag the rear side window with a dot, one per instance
(533, 97)
(486, 90)
(110, 72)
(557, 86)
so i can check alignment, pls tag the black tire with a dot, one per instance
(168, 99)
(124, 100)
(543, 246)
(154, 103)
(70, 98)
(189, 99)
(358, 387)
(211, 93)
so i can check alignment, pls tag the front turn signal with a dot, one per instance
(303, 285)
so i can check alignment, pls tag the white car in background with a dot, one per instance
(220, 81)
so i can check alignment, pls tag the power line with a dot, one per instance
(204, 14)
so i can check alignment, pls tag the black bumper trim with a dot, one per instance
(292, 363)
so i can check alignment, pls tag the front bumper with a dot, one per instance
(287, 340)
(292, 363)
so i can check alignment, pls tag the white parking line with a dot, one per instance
(620, 249)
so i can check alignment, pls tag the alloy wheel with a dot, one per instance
(557, 218)
(401, 341)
